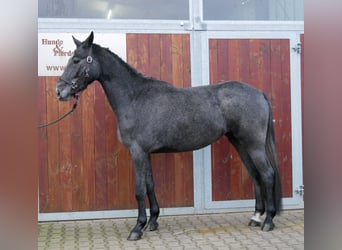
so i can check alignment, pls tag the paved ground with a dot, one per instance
(212, 231)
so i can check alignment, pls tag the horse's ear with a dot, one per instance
(89, 40)
(77, 42)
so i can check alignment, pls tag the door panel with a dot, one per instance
(265, 64)
(82, 164)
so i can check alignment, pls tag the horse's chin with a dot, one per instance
(64, 99)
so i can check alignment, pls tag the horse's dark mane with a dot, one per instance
(102, 51)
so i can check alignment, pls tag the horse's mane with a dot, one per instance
(102, 51)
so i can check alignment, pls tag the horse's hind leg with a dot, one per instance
(255, 220)
(259, 201)
(266, 173)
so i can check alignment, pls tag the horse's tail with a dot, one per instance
(272, 158)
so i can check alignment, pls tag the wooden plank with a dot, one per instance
(170, 197)
(186, 61)
(157, 160)
(220, 170)
(126, 185)
(154, 55)
(177, 63)
(177, 80)
(222, 62)
(163, 171)
(285, 157)
(188, 179)
(281, 112)
(187, 157)
(88, 147)
(125, 197)
(42, 146)
(255, 66)
(244, 61)
(54, 195)
(100, 149)
(233, 58)
(265, 57)
(131, 49)
(166, 58)
(65, 159)
(143, 56)
(235, 165)
(111, 158)
(77, 158)
(213, 54)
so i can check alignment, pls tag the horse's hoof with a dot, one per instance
(152, 226)
(134, 236)
(253, 223)
(267, 227)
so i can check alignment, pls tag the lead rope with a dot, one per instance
(62, 117)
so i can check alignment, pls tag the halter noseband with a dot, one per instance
(73, 83)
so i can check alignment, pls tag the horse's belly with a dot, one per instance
(187, 139)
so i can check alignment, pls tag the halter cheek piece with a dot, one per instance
(73, 83)
(89, 59)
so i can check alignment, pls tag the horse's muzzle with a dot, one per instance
(63, 91)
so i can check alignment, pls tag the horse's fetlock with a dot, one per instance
(142, 221)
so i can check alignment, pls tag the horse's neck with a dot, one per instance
(119, 82)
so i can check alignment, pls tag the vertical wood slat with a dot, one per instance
(88, 135)
(77, 158)
(162, 164)
(111, 145)
(65, 160)
(177, 80)
(100, 149)
(42, 146)
(264, 64)
(183, 161)
(54, 195)
(281, 111)
(220, 160)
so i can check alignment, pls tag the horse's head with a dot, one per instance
(81, 70)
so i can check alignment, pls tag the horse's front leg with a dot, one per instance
(154, 207)
(141, 162)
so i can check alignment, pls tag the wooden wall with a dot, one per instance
(83, 166)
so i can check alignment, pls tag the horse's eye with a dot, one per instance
(76, 60)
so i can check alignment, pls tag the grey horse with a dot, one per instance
(154, 116)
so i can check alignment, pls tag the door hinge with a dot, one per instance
(298, 48)
(300, 190)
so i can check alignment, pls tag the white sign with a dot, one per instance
(55, 49)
